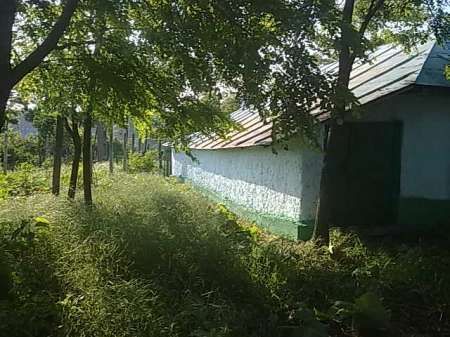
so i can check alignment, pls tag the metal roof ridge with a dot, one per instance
(404, 61)
(386, 84)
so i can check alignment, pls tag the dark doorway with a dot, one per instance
(366, 160)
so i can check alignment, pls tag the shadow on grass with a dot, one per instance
(156, 259)
(30, 288)
(212, 274)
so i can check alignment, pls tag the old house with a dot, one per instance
(392, 161)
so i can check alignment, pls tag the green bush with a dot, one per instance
(24, 181)
(142, 162)
(22, 149)
(154, 258)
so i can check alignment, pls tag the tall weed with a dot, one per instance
(154, 258)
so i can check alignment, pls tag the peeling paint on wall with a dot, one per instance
(283, 184)
(286, 184)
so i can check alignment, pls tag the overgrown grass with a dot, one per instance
(26, 180)
(154, 258)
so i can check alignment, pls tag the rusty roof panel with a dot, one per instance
(249, 122)
(234, 139)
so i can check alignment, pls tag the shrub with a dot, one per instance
(22, 149)
(26, 180)
(142, 162)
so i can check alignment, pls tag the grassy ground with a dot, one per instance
(154, 258)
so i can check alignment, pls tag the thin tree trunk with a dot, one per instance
(111, 149)
(324, 206)
(101, 142)
(87, 159)
(133, 141)
(4, 96)
(45, 147)
(160, 163)
(76, 139)
(346, 60)
(324, 215)
(57, 155)
(145, 145)
(5, 150)
(125, 150)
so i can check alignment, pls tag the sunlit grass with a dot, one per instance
(155, 258)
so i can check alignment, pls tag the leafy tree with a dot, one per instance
(266, 51)
(73, 130)
(362, 24)
(55, 89)
(13, 70)
(115, 73)
(260, 49)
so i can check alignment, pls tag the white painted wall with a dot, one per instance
(283, 184)
(287, 184)
(425, 164)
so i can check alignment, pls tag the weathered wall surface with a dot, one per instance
(287, 184)
(283, 184)
(425, 161)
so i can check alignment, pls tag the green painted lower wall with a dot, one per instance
(423, 212)
(414, 214)
(278, 225)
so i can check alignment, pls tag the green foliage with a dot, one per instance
(26, 180)
(367, 313)
(154, 258)
(142, 162)
(447, 72)
(22, 150)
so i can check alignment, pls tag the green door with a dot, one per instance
(367, 159)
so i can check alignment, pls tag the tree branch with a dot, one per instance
(375, 5)
(345, 55)
(50, 43)
(68, 128)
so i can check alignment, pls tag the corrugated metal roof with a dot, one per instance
(387, 70)
(252, 131)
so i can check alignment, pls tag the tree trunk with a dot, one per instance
(324, 206)
(324, 215)
(76, 138)
(57, 155)
(5, 150)
(145, 145)
(10, 77)
(133, 141)
(4, 96)
(101, 143)
(160, 162)
(8, 10)
(111, 149)
(87, 160)
(125, 150)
